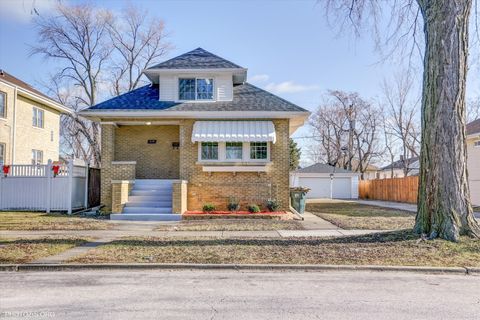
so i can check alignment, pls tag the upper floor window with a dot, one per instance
(195, 89)
(37, 119)
(476, 144)
(3, 105)
(37, 156)
(2, 153)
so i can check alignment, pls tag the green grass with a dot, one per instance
(23, 250)
(233, 225)
(392, 248)
(350, 215)
(48, 221)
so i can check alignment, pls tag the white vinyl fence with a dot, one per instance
(34, 187)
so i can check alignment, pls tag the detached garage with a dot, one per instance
(326, 181)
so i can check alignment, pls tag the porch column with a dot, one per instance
(108, 154)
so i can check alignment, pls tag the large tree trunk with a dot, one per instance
(444, 208)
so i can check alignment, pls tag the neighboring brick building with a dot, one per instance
(29, 123)
(198, 134)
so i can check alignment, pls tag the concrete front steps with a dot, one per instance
(150, 200)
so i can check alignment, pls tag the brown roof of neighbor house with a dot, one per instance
(473, 127)
(5, 76)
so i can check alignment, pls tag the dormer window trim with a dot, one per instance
(196, 98)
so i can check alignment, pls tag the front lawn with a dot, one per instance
(28, 250)
(49, 221)
(351, 215)
(233, 225)
(392, 248)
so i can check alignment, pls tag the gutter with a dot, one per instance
(120, 113)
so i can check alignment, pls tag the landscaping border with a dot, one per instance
(239, 267)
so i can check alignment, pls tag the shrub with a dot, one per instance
(208, 207)
(253, 208)
(233, 204)
(272, 205)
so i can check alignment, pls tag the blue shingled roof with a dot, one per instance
(246, 97)
(196, 59)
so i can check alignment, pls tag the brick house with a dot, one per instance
(199, 133)
(29, 123)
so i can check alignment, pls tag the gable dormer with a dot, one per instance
(196, 76)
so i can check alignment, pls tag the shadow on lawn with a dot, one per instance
(43, 241)
(384, 237)
(356, 210)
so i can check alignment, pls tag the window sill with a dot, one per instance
(233, 163)
(235, 166)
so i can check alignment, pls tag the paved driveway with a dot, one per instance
(221, 294)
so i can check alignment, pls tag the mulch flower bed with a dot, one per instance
(194, 215)
(234, 212)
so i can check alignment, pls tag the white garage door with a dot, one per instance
(342, 188)
(320, 187)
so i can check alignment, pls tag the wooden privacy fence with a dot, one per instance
(35, 187)
(93, 187)
(395, 189)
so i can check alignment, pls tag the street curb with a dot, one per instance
(253, 267)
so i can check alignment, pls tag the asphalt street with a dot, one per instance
(230, 294)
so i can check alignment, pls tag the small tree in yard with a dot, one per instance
(444, 208)
(295, 154)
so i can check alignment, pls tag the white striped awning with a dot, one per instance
(233, 131)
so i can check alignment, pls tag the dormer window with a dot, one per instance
(195, 89)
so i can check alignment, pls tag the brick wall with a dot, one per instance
(120, 192)
(179, 196)
(154, 161)
(247, 187)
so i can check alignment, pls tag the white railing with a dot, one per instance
(35, 187)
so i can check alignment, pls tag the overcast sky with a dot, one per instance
(287, 46)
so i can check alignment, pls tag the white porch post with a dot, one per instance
(70, 186)
(48, 176)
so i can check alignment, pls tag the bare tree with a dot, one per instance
(473, 109)
(390, 142)
(138, 41)
(400, 124)
(76, 38)
(346, 128)
(444, 208)
(93, 47)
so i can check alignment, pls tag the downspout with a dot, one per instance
(14, 126)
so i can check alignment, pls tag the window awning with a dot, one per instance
(233, 131)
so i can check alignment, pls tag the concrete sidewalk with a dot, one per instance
(389, 204)
(398, 205)
(115, 234)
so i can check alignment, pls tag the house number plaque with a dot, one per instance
(152, 141)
